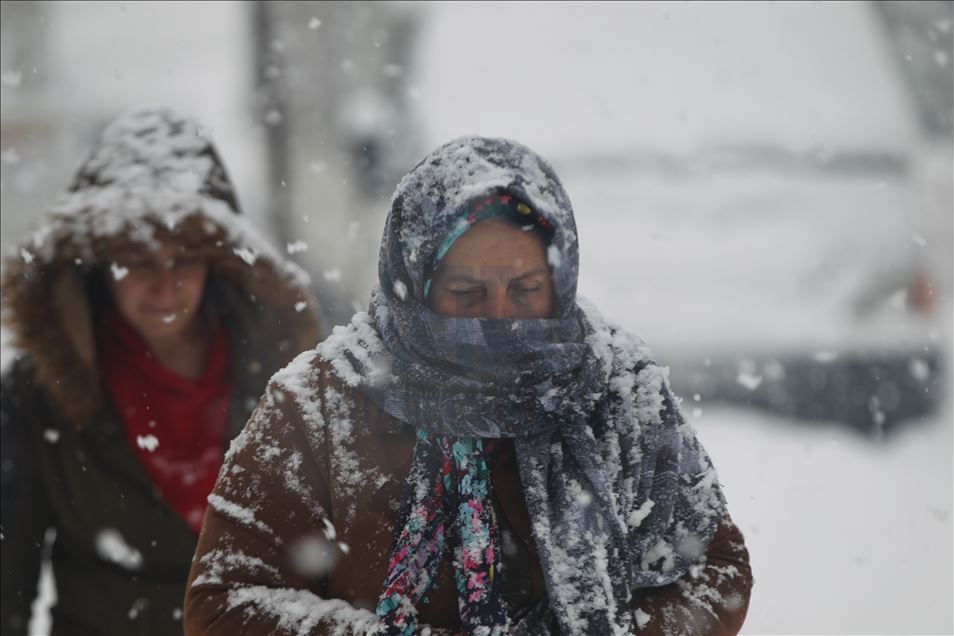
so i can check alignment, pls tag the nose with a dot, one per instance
(165, 284)
(498, 303)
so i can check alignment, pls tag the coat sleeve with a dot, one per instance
(26, 514)
(711, 601)
(267, 539)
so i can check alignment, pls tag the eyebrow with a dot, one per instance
(533, 272)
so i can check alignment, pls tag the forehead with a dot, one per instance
(495, 242)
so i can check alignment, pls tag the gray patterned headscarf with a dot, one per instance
(620, 493)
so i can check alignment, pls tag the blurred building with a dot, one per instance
(334, 87)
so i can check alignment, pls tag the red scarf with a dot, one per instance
(174, 426)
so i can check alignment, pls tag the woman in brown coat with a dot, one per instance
(478, 453)
(148, 316)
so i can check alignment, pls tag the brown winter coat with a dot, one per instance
(66, 462)
(298, 534)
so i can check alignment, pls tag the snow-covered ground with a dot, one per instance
(846, 535)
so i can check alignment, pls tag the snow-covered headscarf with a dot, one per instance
(620, 493)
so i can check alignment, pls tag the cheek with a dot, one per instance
(545, 303)
(127, 293)
(538, 308)
(192, 284)
(443, 305)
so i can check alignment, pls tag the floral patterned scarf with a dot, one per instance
(453, 509)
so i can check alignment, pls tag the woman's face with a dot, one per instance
(158, 291)
(494, 270)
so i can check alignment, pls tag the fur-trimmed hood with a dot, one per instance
(151, 170)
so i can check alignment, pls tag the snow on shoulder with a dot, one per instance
(356, 354)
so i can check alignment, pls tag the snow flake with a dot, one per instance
(314, 24)
(584, 498)
(636, 516)
(138, 606)
(246, 254)
(919, 369)
(642, 618)
(111, 546)
(400, 289)
(147, 442)
(119, 272)
(296, 247)
(750, 381)
(330, 532)
(312, 556)
(660, 551)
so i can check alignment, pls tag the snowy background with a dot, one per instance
(763, 191)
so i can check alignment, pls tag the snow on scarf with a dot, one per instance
(620, 493)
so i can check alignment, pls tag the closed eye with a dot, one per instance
(471, 291)
(526, 286)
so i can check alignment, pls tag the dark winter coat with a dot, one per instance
(121, 555)
(298, 533)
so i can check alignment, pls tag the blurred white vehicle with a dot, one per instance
(780, 281)
(745, 182)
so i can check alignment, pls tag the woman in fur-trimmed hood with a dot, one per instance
(148, 316)
(477, 453)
